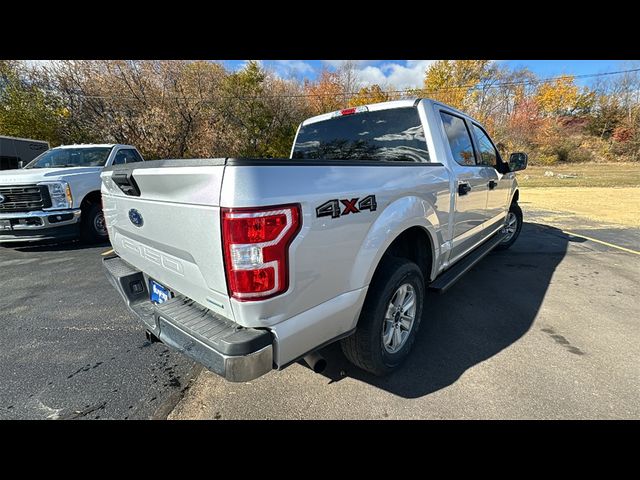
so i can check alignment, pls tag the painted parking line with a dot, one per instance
(107, 252)
(628, 250)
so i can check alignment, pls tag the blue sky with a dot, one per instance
(409, 73)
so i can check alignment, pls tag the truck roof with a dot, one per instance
(93, 145)
(372, 107)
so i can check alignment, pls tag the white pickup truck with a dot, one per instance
(247, 265)
(57, 195)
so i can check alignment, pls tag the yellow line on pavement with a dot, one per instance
(628, 250)
(107, 252)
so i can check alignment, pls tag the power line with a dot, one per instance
(476, 86)
(407, 92)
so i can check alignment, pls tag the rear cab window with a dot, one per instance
(392, 135)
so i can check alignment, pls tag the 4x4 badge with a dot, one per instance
(333, 207)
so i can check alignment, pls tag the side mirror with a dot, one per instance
(518, 161)
(20, 164)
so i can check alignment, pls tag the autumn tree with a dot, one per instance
(287, 108)
(523, 127)
(616, 114)
(325, 94)
(183, 109)
(454, 81)
(367, 95)
(563, 97)
(607, 116)
(349, 79)
(163, 107)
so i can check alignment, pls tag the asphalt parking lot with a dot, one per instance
(548, 329)
(68, 346)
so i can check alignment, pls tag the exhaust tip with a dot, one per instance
(320, 366)
(316, 362)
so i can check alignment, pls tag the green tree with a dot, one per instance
(607, 115)
(26, 110)
(245, 109)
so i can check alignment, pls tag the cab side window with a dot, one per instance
(127, 155)
(488, 154)
(133, 156)
(459, 139)
(120, 159)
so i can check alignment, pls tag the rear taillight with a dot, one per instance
(256, 249)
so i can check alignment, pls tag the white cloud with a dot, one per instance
(391, 75)
(397, 75)
(292, 67)
(370, 75)
(339, 63)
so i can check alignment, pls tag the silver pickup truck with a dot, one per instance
(248, 265)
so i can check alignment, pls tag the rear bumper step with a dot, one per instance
(238, 354)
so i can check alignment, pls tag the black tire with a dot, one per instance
(365, 347)
(90, 221)
(517, 211)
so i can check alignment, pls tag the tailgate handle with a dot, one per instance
(126, 183)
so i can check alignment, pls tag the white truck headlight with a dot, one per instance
(60, 194)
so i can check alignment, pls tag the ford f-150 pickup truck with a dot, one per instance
(57, 195)
(248, 265)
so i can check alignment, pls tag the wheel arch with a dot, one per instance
(406, 222)
(407, 245)
(91, 198)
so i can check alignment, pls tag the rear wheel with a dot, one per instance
(512, 227)
(93, 228)
(390, 318)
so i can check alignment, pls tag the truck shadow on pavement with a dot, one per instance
(488, 310)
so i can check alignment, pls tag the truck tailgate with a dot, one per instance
(177, 242)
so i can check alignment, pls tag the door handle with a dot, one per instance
(492, 184)
(463, 188)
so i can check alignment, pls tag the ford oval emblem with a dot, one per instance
(135, 217)
(2, 198)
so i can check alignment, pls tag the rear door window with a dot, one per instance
(459, 139)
